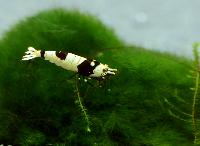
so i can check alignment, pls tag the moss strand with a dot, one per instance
(82, 107)
(196, 90)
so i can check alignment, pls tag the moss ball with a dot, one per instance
(37, 94)
(37, 98)
(145, 80)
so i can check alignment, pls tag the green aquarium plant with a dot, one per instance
(192, 118)
(58, 29)
(37, 98)
(196, 76)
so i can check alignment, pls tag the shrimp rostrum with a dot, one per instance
(81, 65)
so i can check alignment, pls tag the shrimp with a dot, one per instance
(81, 65)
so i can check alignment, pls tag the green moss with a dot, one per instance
(30, 137)
(38, 97)
(165, 137)
(145, 78)
(38, 94)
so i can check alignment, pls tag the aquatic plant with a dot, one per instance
(38, 95)
(196, 76)
(190, 118)
(37, 98)
(83, 109)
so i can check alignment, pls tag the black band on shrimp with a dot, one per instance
(42, 52)
(61, 55)
(86, 67)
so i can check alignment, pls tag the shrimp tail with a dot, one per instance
(31, 53)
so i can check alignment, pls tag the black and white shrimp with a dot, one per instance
(81, 65)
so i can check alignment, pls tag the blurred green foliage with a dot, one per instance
(195, 74)
(37, 98)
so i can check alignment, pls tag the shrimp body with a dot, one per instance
(72, 62)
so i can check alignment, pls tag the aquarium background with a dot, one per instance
(170, 25)
(148, 103)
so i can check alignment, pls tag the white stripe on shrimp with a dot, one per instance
(69, 61)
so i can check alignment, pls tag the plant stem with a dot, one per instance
(82, 107)
(194, 107)
(196, 89)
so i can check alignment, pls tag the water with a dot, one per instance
(170, 25)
